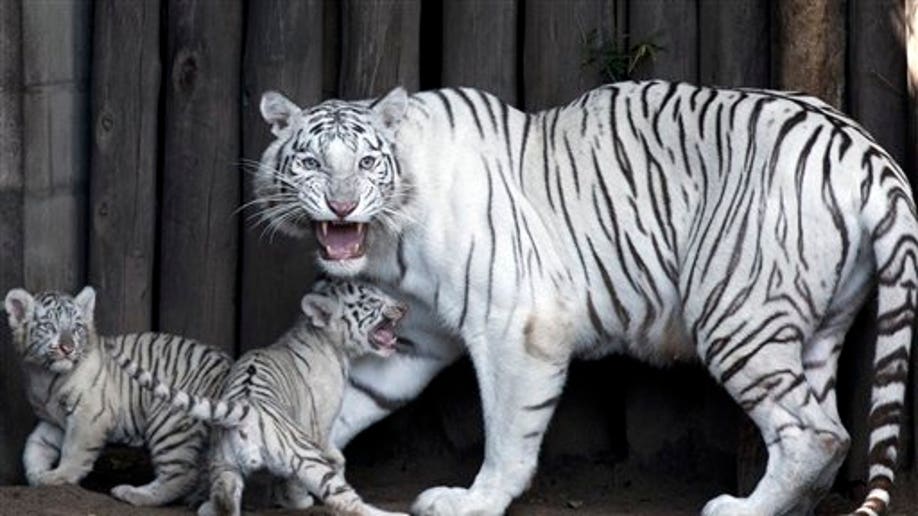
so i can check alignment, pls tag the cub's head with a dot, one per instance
(51, 329)
(365, 318)
(332, 170)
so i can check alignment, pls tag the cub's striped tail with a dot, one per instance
(891, 221)
(217, 412)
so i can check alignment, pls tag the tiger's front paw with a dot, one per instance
(450, 501)
(54, 477)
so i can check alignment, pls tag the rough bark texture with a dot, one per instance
(379, 49)
(201, 176)
(810, 48)
(283, 51)
(479, 46)
(122, 232)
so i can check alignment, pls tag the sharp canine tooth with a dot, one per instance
(325, 229)
(355, 248)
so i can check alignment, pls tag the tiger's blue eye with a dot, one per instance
(367, 162)
(310, 163)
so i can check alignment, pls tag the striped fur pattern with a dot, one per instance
(279, 402)
(739, 228)
(84, 400)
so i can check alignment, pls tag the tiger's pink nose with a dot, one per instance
(341, 208)
(65, 345)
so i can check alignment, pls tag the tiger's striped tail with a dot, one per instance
(894, 230)
(216, 412)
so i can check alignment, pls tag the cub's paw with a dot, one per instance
(51, 478)
(457, 501)
(135, 496)
(726, 505)
(207, 509)
(369, 510)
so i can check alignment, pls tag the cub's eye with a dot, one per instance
(367, 162)
(308, 163)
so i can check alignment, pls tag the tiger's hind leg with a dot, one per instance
(758, 359)
(820, 364)
(226, 479)
(177, 451)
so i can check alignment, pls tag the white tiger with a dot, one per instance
(278, 403)
(670, 222)
(84, 400)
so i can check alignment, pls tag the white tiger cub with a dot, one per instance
(741, 229)
(84, 400)
(278, 404)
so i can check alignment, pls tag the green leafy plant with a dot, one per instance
(613, 59)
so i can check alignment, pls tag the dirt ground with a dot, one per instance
(577, 489)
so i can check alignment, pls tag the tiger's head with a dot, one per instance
(51, 329)
(364, 317)
(332, 169)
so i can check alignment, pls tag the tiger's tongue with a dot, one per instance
(340, 241)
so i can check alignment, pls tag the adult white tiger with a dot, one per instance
(666, 221)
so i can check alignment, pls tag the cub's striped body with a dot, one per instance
(84, 400)
(278, 404)
(741, 228)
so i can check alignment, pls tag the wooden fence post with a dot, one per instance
(15, 414)
(125, 98)
(734, 43)
(480, 46)
(201, 176)
(379, 46)
(809, 53)
(557, 36)
(672, 25)
(284, 52)
(56, 43)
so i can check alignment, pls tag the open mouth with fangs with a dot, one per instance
(383, 336)
(341, 240)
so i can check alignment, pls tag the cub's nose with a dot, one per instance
(65, 344)
(341, 208)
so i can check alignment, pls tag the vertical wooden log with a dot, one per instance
(56, 43)
(809, 48)
(379, 46)
(877, 96)
(201, 177)
(331, 47)
(283, 51)
(672, 25)
(556, 37)
(734, 43)
(16, 415)
(479, 46)
(122, 232)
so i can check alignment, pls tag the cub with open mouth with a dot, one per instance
(326, 171)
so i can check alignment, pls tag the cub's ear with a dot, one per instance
(86, 300)
(277, 109)
(391, 108)
(319, 309)
(19, 305)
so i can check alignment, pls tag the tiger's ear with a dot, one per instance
(277, 109)
(391, 107)
(86, 301)
(319, 309)
(19, 306)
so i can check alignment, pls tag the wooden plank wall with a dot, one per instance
(15, 410)
(200, 187)
(130, 177)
